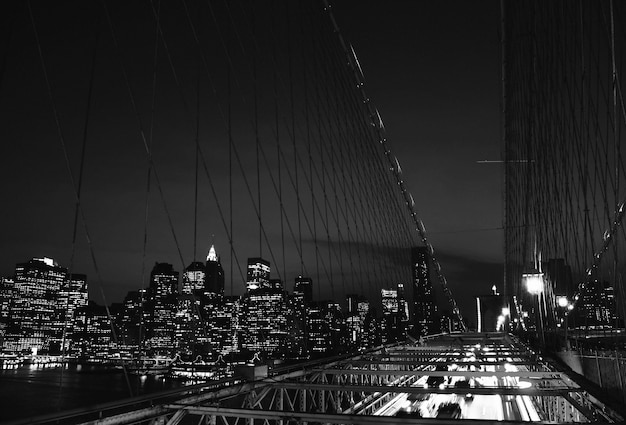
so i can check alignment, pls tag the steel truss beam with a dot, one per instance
(304, 417)
(467, 374)
(533, 391)
(440, 362)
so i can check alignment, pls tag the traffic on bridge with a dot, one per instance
(483, 377)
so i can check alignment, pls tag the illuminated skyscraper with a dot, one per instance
(337, 327)
(194, 278)
(73, 295)
(265, 321)
(391, 323)
(190, 332)
(223, 328)
(92, 338)
(326, 328)
(7, 287)
(304, 286)
(423, 299)
(214, 273)
(258, 274)
(161, 309)
(356, 313)
(37, 318)
(163, 281)
(131, 331)
(300, 302)
(597, 304)
(403, 311)
(189, 325)
(318, 334)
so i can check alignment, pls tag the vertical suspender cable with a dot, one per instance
(197, 154)
(71, 176)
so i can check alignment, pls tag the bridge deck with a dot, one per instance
(482, 377)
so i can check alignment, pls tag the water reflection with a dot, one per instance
(32, 390)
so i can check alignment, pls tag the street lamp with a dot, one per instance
(534, 286)
(534, 282)
(564, 303)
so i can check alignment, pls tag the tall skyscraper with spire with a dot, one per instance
(214, 273)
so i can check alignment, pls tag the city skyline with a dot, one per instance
(45, 310)
(186, 277)
(313, 211)
(118, 243)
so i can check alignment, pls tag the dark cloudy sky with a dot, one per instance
(431, 67)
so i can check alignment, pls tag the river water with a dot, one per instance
(29, 391)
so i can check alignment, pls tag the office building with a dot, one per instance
(214, 274)
(423, 298)
(258, 274)
(161, 309)
(37, 316)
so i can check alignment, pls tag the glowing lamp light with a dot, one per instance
(562, 301)
(534, 282)
(506, 311)
(524, 384)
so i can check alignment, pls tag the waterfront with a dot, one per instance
(31, 390)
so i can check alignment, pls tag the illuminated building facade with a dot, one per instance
(596, 305)
(73, 295)
(92, 338)
(372, 330)
(130, 320)
(403, 311)
(258, 274)
(37, 317)
(265, 321)
(300, 302)
(326, 329)
(318, 335)
(214, 273)
(423, 299)
(191, 334)
(7, 287)
(189, 331)
(223, 327)
(194, 278)
(161, 309)
(337, 326)
(392, 316)
(304, 286)
(356, 314)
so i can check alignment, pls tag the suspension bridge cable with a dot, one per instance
(73, 183)
(142, 134)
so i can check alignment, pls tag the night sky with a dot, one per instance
(432, 69)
